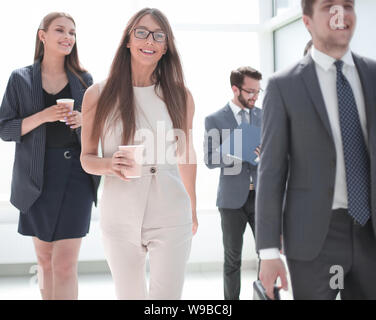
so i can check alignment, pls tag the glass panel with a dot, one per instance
(281, 6)
(287, 51)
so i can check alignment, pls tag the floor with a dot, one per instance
(198, 286)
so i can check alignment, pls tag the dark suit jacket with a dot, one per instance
(298, 160)
(24, 97)
(234, 179)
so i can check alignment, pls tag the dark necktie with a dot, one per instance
(243, 116)
(355, 151)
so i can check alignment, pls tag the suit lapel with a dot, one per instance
(368, 97)
(37, 91)
(370, 106)
(76, 90)
(256, 116)
(39, 134)
(311, 82)
(229, 117)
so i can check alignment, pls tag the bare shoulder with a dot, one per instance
(91, 97)
(189, 94)
(190, 102)
(92, 93)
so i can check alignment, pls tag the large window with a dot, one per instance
(289, 44)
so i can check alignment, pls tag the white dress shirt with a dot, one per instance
(236, 109)
(327, 76)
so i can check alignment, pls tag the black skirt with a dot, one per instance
(63, 211)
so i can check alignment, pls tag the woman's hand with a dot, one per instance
(73, 119)
(52, 114)
(120, 162)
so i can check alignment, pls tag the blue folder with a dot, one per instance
(242, 143)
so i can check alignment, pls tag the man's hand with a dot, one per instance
(258, 151)
(270, 270)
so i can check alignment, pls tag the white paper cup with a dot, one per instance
(135, 152)
(66, 103)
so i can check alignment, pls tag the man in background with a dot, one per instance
(238, 181)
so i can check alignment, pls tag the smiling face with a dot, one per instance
(243, 97)
(147, 51)
(325, 33)
(60, 37)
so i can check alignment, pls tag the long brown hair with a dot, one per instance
(72, 63)
(117, 95)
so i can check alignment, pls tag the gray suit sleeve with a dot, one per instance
(212, 142)
(10, 123)
(272, 169)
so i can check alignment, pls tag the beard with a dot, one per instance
(332, 41)
(246, 103)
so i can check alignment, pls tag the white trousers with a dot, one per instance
(168, 248)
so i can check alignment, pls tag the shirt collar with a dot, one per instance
(325, 61)
(235, 108)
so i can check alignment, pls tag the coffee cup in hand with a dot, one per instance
(134, 153)
(67, 103)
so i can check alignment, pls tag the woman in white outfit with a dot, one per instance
(144, 101)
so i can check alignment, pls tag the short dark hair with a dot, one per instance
(308, 47)
(238, 75)
(307, 7)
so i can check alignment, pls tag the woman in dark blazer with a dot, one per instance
(49, 187)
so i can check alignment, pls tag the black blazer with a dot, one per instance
(24, 97)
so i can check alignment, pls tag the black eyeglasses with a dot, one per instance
(252, 92)
(158, 36)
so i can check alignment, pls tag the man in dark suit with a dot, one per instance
(318, 157)
(236, 190)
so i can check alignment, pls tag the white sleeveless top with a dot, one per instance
(158, 198)
(154, 129)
